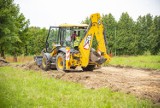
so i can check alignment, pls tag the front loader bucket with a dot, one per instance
(38, 60)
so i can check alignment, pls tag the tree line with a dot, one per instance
(129, 37)
(13, 28)
(16, 37)
(124, 37)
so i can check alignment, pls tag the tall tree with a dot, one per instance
(7, 25)
(18, 45)
(155, 37)
(125, 37)
(110, 26)
(145, 31)
(12, 27)
(36, 40)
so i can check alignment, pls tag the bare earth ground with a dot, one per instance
(142, 83)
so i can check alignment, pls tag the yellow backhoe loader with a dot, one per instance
(69, 46)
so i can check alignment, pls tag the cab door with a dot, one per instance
(53, 39)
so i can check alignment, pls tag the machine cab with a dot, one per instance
(62, 36)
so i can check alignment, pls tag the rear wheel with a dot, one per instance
(60, 62)
(88, 68)
(45, 65)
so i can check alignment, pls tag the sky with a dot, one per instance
(45, 13)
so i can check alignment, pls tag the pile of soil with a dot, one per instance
(29, 66)
(142, 83)
(3, 62)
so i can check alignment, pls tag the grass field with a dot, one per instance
(22, 88)
(147, 62)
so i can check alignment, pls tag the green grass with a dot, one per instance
(147, 62)
(21, 88)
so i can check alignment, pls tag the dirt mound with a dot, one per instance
(3, 62)
(29, 66)
(142, 83)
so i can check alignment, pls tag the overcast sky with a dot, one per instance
(44, 13)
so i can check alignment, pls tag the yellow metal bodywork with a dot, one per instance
(96, 29)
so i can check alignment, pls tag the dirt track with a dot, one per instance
(142, 83)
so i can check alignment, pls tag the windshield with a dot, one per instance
(63, 36)
(66, 37)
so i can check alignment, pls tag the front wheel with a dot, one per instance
(60, 62)
(45, 64)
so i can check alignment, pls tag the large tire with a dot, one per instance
(60, 62)
(88, 68)
(45, 65)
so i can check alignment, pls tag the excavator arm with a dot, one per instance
(95, 29)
